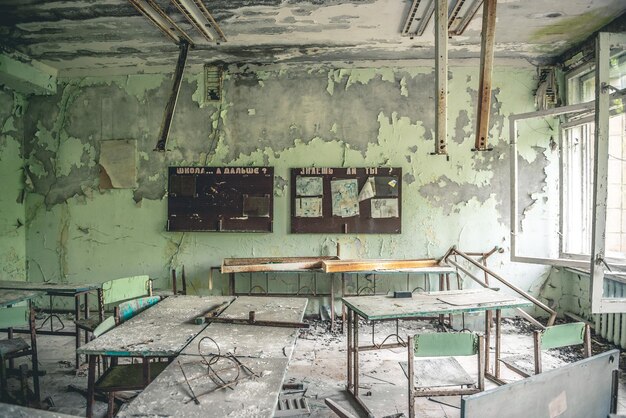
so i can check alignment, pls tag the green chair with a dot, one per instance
(18, 315)
(114, 291)
(556, 336)
(122, 377)
(443, 376)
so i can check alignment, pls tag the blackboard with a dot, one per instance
(346, 200)
(223, 199)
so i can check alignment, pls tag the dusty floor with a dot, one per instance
(319, 363)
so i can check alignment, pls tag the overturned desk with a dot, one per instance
(8, 298)
(380, 308)
(248, 364)
(72, 290)
(160, 331)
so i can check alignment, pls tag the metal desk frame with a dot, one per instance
(17, 297)
(63, 290)
(353, 347)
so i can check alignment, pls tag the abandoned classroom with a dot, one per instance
(341, 208)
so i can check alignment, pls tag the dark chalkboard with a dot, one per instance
(223, 199)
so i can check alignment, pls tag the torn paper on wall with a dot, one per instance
(118, 167)
(385, 208)
(309, 186)
(368, 190)
(345, 197)
(308, 207)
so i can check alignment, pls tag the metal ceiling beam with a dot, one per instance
(486, 67)
(197, 14)
(161, 20)
(441, 76)
(171, 103)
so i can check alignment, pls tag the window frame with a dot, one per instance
(600, 106)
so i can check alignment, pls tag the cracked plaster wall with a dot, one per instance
(283, 118)
(12, 230)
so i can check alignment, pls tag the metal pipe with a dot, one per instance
(171, 103)
(441, 77)
(509, 285)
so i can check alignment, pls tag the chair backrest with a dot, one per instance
(14, 316)
(564, 335)
(132, 307)
(124, 312)
(126, 288)
(438, 344)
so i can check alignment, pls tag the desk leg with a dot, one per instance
(488, 318)
(411, 377)
(496, 364)
(355, 331)
(343, 307)
(86, 314)
(231, 284)
(35, 359)
(332, 301)
(350, 354)
(91, 380)
(76, 329)
(100, 304)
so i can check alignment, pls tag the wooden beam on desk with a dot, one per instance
(343, 266)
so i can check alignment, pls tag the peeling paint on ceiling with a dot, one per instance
(85, 35)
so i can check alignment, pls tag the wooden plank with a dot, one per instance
(337, 409)
(11, 297)
(345, 266)
(427, 304)
(162, 330)
(49, 287)
(267, 308)
(273, 264)
(486, 66)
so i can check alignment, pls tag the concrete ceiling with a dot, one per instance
(96, 35)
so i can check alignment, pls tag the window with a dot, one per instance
(577, 154)
(590, 229)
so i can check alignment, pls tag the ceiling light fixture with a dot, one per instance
(422, 15)
(466, 18)
(161, 20)
(421, 12)
(197, 14)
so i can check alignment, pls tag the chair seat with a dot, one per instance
(438, 372)
(127, 376)
(12, 345)
(524, 364)
(88, 324)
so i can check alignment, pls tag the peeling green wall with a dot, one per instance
(12, 230)
(283, 118)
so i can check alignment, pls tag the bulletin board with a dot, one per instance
(222, 199)
(346, 200)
